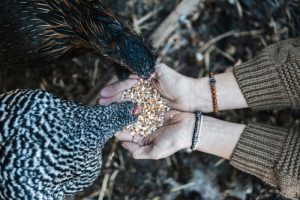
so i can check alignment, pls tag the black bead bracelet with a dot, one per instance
(197, 130)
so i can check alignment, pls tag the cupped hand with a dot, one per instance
(173, 136)
(178, 90)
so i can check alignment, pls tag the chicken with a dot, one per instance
(39, 32)
(51, 147)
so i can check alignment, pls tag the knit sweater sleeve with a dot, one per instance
(272, 79)
(272, 154)
(269, 81)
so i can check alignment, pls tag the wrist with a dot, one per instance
(202, 98)
(189, 124)
(229, 94)
(219, 137)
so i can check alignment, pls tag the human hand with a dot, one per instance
(173, 136)
(216, 137)
(178, 90)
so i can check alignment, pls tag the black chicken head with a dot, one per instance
(88, 25)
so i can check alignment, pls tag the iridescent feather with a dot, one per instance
(39, 32)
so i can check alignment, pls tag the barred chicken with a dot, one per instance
(51, 147)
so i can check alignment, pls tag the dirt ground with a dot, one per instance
(232, 31)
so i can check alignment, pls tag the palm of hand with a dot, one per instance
(175, 87)
(173, 136)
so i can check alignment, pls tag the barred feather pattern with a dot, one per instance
(51, 147)
(39, 32)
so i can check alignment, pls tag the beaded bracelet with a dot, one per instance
(212, 83)
(197, 130)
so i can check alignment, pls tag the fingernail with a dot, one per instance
(133, 81)
(133, 76)
(103, 92)
(101, 101)
(151, 76)
(124, 145)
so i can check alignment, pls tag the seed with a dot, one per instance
(153, 108)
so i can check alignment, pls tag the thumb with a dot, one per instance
(159, 71)
(162, 70)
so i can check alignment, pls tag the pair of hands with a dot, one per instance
(184, 95)
(176, 133)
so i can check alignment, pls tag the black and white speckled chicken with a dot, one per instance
(39, 32)
(51, 147)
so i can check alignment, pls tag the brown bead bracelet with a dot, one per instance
(212, 83)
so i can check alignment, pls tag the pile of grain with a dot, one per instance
(153, 107)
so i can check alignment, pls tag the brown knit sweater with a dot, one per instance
(271, 81)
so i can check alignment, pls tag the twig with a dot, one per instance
(111, 154)
(147, 16)
(182, 187)
(219, 162)
(167, 47)
(95, 71)
(103, 187)
(122, 162)
(239, 8)
(225, 54)
(112, 181)
(170, 24)
(228, 34)
(207, 57)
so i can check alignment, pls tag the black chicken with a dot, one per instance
(39, 32)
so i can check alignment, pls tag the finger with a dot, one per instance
(137, 151)
(160, 69)
(155, 74)
(117, 87)
(117, 133)
(125, 136)
(133, 76)
(157, 78)
(109, 100)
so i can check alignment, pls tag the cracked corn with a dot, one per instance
(153, 107)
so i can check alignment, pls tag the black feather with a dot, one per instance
(38, 32)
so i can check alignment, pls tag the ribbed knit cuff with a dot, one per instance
(257, 151)
(260, 83)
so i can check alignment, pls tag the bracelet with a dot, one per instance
(197, 130)
(212, 83)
